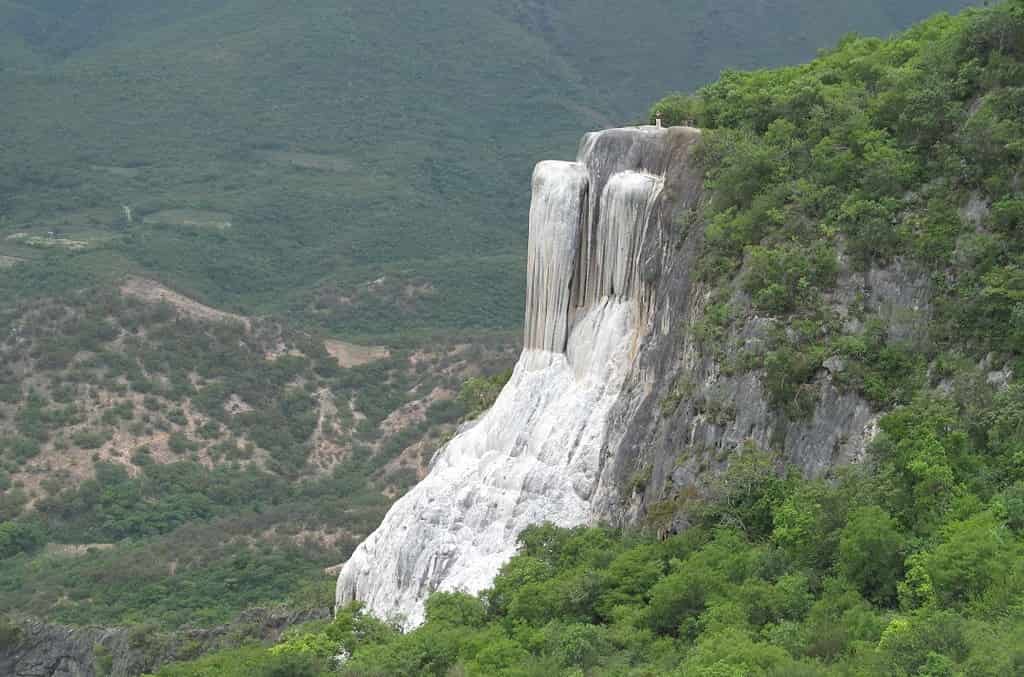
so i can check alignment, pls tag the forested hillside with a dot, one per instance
(168, 464)
(904, 152)
(199, 200)
(280, 158)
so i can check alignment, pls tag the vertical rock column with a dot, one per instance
(626, 205)
(556, 219)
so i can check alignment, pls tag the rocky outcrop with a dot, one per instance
(42, 650)
(31, 648)
(687, 405)
(536, 455)
(618, 403)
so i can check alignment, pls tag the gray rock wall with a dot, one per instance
(37, 649)
(687, 407)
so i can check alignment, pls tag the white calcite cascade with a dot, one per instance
(535, 456)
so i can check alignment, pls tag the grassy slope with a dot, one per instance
(432, 118)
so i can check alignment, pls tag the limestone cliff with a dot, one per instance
(688, 403)
(537, 454)
(617, 405)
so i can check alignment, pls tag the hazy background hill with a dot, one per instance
(329, 160)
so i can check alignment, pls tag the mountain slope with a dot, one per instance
(343, 142)
(623, 51)
(856, 271)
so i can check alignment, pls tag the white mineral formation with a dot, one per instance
(535, 455)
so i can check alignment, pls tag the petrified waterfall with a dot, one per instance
(535, 456)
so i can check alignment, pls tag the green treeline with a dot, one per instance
(900, 155)
(910, 564)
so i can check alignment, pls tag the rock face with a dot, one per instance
(30, 648)
(537, 454)
(615, 405)
(686, 409)
(43, 650)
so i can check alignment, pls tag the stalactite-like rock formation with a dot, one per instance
(536, 455)
(556, 219)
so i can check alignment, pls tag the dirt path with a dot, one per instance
(154, 292)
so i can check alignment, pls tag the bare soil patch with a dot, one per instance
(154, 292)
(46, 242)
(353, 355)
(326, 449)
(75, 550)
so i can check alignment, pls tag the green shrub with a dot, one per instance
(91, 439)
(20, 537)
(479, 393)
(871, 553)
(787, 277)
(10, 634)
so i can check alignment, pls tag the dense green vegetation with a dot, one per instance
(193, 546)
(912, 564)
(901, 155)
(330, 161)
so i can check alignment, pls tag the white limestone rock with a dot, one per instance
(535, 455)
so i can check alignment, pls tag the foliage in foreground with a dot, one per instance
(911, 564)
